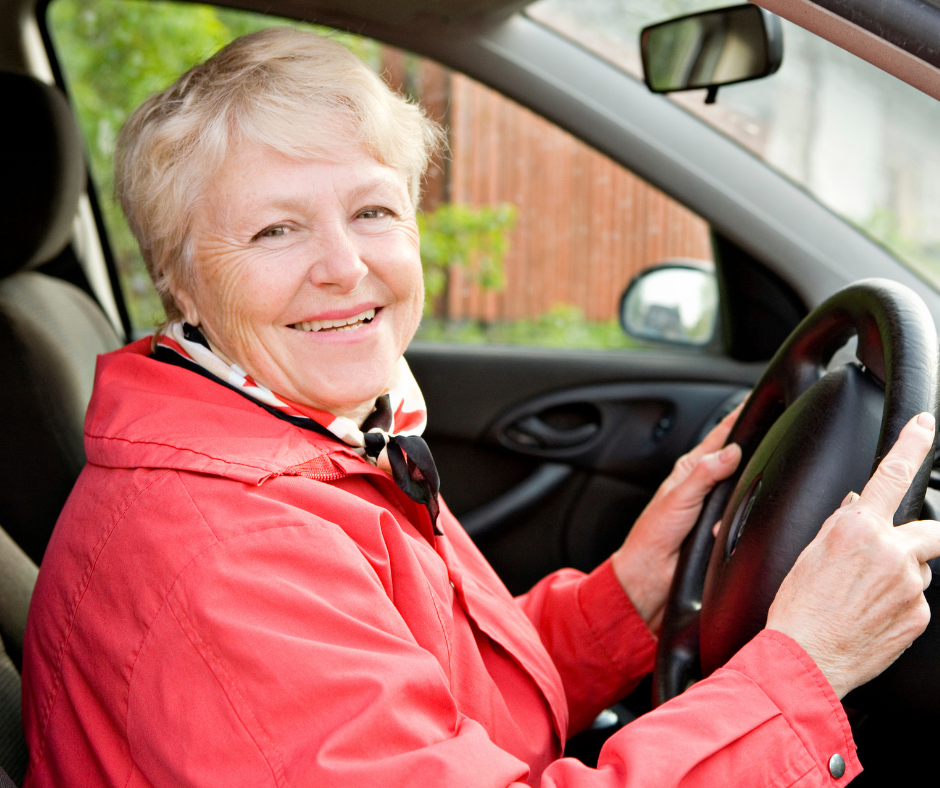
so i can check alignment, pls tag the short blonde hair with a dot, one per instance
(298, 93)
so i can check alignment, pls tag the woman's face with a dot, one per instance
(308, 274)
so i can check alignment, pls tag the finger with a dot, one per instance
(711, 444)
(925, 575)
(712, 469)
(718, 434)
(923, 538)
(852, 497)
(896, 471)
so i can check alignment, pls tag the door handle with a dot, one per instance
(532, 431)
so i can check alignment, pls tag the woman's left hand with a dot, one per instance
(646, 562)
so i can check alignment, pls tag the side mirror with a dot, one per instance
(711, 48)
(675, 302)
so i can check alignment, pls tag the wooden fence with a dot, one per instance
(585, 225)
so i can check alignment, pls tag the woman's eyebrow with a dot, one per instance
(301, 202)
(387, 183)
(308, 201)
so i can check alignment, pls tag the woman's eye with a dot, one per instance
(276, 231)
(375, 213)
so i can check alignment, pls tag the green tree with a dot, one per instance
(475, 240)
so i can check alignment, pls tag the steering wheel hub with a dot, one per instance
(818, 450)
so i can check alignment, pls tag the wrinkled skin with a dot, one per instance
(854, 599)
(280, 241)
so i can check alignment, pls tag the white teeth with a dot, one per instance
(340, 324)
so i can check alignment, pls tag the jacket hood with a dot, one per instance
(147, 414)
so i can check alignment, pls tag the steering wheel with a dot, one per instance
(808, 437)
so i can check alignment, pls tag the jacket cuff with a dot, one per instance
(617, 627)
(796, 685)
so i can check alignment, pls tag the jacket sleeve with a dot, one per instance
(318, 681)
(770, 712)
(595, 636)
(768, 718)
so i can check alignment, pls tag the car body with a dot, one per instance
(548, 454)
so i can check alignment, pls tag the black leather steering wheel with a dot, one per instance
(808, 437)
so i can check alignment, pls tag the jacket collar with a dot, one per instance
(146, 414)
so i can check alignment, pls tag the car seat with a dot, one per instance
(51, 333)
(50, 330)
(18, 575)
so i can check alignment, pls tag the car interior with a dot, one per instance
(51, 331)
(547, 455)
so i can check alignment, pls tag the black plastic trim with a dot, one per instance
(512, 504)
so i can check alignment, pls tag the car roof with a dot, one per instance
(408, 12)
(910, 25)
(901, 37)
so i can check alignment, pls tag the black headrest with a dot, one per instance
(44, 174)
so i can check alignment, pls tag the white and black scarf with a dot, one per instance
(389, 438)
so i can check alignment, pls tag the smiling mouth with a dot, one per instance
(339, 324)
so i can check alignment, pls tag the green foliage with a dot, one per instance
(475, 240)
(564, 325)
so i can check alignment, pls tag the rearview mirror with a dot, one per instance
(675, 302)
(711, 48)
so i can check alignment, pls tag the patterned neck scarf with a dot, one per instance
(390, 438)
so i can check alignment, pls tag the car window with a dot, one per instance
(528, 235)
(861, 141)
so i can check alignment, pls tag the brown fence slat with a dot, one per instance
(585, 226)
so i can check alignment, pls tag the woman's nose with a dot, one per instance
(337, 264)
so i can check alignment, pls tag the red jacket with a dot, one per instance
(230, 600)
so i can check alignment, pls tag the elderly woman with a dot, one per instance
(255, 581)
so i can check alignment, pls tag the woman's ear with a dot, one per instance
(186, 305)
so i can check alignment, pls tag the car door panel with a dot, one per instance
(548, 456)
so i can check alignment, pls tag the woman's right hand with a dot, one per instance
(854, 599)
